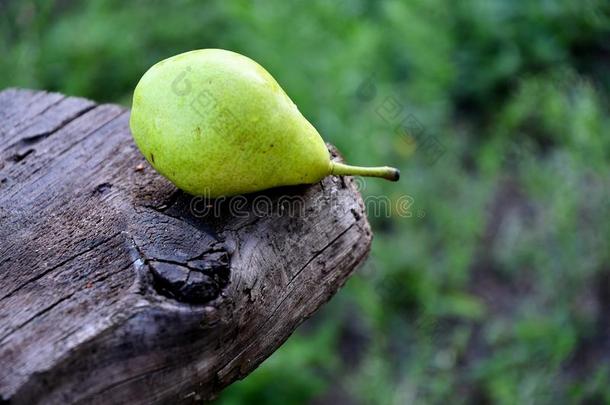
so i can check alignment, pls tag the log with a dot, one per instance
(115, 287)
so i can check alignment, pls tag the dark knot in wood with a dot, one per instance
(194, 282)
(186, 259)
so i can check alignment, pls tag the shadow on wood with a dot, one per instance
(116, 287)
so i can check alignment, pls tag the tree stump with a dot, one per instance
(115, 287)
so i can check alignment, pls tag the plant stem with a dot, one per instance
(385, 172)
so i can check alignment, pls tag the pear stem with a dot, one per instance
(385, 172)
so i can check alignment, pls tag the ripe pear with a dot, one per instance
(216, 123)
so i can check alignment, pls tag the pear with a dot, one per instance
(216, 123)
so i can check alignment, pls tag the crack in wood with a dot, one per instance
(91, 132)
(18, 117)
(59, 265)
(37, 137)
(35, 316)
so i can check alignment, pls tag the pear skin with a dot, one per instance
(216, 123)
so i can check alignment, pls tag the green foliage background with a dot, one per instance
(497, 288)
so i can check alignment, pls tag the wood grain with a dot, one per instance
(117, 288)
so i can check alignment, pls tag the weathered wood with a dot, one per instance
(117, 288)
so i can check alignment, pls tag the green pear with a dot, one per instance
(216, 123)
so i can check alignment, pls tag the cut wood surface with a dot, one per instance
(117, 288)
